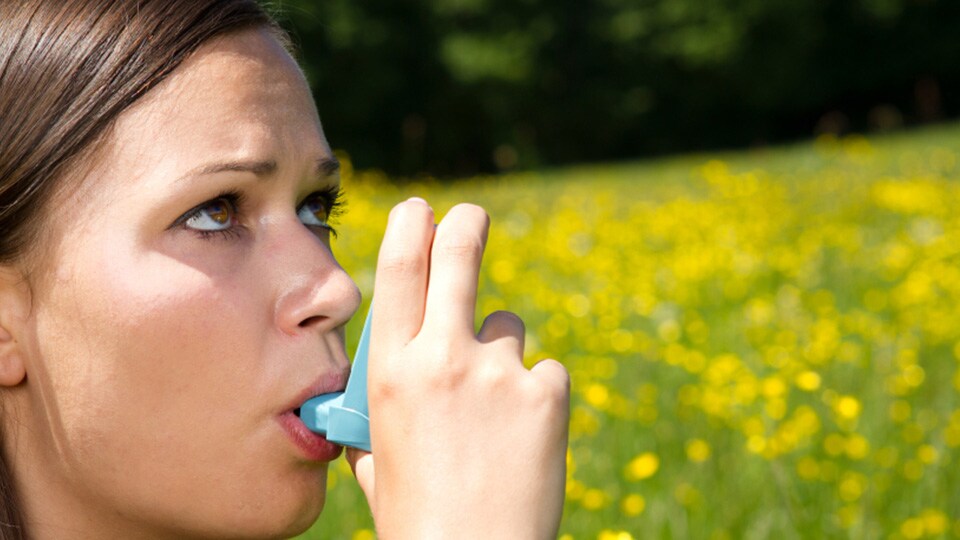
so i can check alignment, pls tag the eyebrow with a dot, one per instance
(325, 166)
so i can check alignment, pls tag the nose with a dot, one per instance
(315, 293)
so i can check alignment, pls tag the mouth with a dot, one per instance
(311, 446)
(330, 382)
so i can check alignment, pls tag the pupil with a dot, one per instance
(219, 213)
(318, 211)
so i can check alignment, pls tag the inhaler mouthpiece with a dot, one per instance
(343, 417)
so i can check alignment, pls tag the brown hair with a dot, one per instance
(68, 68)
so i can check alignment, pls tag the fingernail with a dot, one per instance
(419, 200)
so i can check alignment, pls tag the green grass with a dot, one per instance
(763, 344)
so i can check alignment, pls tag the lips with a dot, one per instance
(331, 382)
(312, 446)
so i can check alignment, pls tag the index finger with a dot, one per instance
(401, 279)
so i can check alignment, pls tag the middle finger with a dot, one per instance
(455, 268)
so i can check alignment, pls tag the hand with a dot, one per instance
(467, 442)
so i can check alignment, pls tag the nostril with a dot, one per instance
(310, 321)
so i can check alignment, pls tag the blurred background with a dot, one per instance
(735, 222)
(456, 87)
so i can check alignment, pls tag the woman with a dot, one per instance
(168, 298)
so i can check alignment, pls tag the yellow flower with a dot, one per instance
(927, 454)
(807, 468)
(633, 505)
(643, 466)
(807, 381)
(607, 534)
(857, 446)
(899, 411)
(847, 407)
(934, 521)
(598, 396)
(852, 486)
(698, 450)
(594, 499)
(912, 528)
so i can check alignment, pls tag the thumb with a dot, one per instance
(362, 464)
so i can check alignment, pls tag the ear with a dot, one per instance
(14, 310)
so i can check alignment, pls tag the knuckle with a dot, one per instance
(494, 375)
(555, 380)
(384, 389)
(551, 400)
(402, 263)
(459, 247)
(446, 377)
(389, 381)
(443, 367)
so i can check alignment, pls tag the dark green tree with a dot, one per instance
(460, 86)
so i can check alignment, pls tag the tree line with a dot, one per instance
(453, 87)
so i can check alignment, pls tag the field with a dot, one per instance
(762, 344)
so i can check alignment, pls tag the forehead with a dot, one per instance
(237, 97)
(240, 97)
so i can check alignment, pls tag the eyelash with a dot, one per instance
(335, 202)
(332, 196)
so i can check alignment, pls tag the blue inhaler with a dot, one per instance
(342, 417)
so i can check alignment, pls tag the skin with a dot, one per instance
(147, 366)
(158, 360)
(467, 442)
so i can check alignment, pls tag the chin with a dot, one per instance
(302, 521)
(290, 510)
(274, 526)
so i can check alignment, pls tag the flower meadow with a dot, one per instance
(762, 344)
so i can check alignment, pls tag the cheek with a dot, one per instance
(146, 346)
(157, 382)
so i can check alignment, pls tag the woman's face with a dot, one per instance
(186, 302)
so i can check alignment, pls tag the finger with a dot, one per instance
(505, 329)
(555, 377)
(402, 270)
(362, 464)
(455, 268)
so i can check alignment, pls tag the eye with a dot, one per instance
(217, 214)
(321, 208)
(315, 211)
